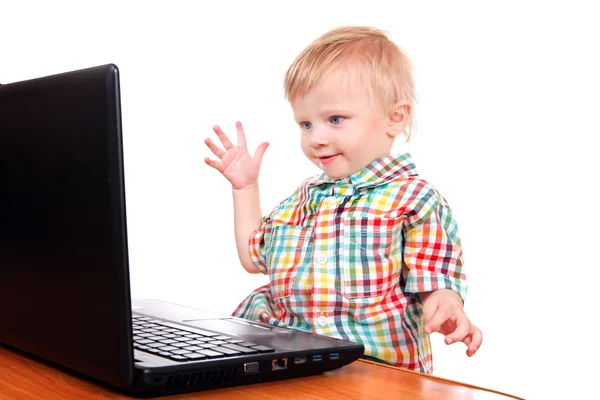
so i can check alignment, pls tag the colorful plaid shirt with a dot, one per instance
(347, 258)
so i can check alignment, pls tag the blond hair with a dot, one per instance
(380, 63)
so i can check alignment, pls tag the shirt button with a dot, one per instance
(322, 320)
(322, 259)
(331, 199)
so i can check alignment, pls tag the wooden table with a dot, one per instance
(24, 378)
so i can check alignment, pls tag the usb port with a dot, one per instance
(334, 356)
(300, 360)
(317, 358)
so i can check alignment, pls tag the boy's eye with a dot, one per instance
(336, 119)
(306, 125)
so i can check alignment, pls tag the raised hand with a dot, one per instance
(234, 162)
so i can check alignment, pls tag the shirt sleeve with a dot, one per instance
(432, 248)
(257, 244)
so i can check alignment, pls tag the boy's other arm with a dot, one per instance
(247, 218)
(242, 171)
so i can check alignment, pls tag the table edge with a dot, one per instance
(439, 379)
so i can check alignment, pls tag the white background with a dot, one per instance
(507, 126)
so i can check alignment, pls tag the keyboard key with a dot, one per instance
(193, 348)
(195, 331)
(143, 341)
(221, 337)
(247, 344)
(263, 349)
(180, 352)
(195, 356)
(241, 349)
(160, 328)
(168, 348)
(175, 357)
(210, 353)
(226, 351)
(203, 339)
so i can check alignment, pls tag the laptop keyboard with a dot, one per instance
(169, 340)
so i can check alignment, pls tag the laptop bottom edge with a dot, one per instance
(237, 372)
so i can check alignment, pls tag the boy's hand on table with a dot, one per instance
(444, 313)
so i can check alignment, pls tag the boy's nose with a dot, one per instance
(318, 138)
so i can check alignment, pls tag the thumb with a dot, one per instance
(429, 309)
(260, 151)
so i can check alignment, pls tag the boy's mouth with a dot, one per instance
(328, 159)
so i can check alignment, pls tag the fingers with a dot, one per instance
(436, 320)
(473, 341)
(429, 309)
(442, 313)
(461, 330)
(218, 165)
(260, 151)
(225, 140)
(214, 148)
(458, 328)
(234, 154)
(240, 135)
(223, 137)
(447, 316)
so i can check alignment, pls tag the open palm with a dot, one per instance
(234, 162)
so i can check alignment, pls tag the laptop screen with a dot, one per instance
(64, 290)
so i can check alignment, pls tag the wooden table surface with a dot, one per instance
(22, 377)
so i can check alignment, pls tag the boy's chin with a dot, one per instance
(335, 174)
(332, 172)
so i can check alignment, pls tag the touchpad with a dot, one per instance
(233, 327)
(271, 336)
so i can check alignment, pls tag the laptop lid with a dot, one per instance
(64, 286)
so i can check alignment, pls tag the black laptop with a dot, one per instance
(64, 285)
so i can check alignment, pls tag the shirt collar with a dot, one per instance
(380, 171)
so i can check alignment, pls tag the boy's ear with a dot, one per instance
(398, 119)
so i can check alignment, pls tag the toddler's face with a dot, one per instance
(343, 129)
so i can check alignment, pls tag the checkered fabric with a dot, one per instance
(347, 258)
